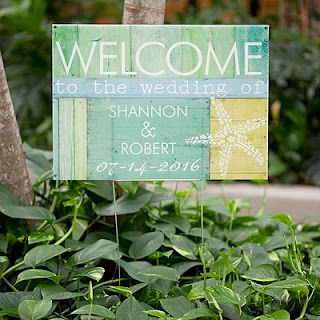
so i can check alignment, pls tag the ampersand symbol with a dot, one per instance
(146, 132)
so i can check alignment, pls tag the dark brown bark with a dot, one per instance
(304, 16)
(285, 16)
(315, 23)
(13, 169)
(143, 11)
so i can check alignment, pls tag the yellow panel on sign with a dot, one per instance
(238, 139)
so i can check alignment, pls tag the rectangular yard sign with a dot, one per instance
(160, 102)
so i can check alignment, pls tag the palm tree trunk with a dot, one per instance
(13, 169)
(143, 11)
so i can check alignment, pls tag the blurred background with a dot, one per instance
(294, 127)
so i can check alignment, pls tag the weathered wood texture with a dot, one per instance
(81, 144)
(66, 139)
(239, 127)
(118, 61)
(143, 12)
(13, 169)
(122, 112)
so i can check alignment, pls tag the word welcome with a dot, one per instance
(208, 59)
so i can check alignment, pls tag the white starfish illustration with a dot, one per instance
(231, 136)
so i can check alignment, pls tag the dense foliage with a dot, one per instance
(60, 258)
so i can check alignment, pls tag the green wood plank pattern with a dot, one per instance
(221, 38)
(80, 139)
(100, 128)
(172, 130)
(66, 145)
(223, 41)
(153, 57)
(108, 40)
(92, 142)
(112, 38)
(254, 34)
(67, 38)
(108, 136)
(56, 135)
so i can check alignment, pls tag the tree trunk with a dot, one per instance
(304, 16)
(13, 169)
(143, 11)
(285, 17)
(315, 23)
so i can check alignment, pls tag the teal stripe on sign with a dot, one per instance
(66, 143)
(100, 139)
(137, 139)
(258, 40)
(55, 131)
(80, 139)
(161, 88)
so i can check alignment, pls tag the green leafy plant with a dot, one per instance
(63, 259)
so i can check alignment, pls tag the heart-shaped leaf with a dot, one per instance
(315, 266)
(127, 203)
(146, 244)
(34, 309)
(134, 267)
(129, 186)
(156, 313)
(96, 310)
(7, 196)
(130, 309)
(179, 222)
(184, 246)
(281, 315)
(225, 295)
(9, 300)
(262, 272)
(177, 306)
(93, 273)
(19, 212)
(101, 188)
(161, 272)
(37, 236)
(199, 313)
(33, 274)
(291, 283)
(284, 218)
(42, 253)
(93, 251)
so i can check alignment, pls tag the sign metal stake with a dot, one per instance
(201, 213)
(117, 230)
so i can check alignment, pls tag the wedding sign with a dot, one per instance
(146, 102)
